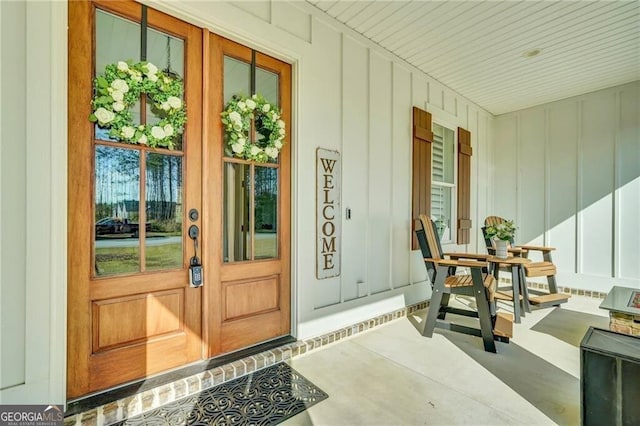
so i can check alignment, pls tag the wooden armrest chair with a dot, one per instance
(477, 284)
(546, 268)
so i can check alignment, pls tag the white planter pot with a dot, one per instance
(501, 248)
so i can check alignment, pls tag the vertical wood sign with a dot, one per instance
(328, 213)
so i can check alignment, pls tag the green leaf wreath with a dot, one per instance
(120, 87)
(269, 126)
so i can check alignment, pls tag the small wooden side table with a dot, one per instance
(518, 282)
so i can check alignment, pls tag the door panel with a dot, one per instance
(250, 248)
(131, 312)
(265, 297)
(143, 317)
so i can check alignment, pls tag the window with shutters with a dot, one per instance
(443, 186)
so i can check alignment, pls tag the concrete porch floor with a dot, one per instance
(391, 375)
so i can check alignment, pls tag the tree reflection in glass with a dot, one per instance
(117, 200)
(266, 212)
(164, 211)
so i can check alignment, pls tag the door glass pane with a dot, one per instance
(117, 199)
(266, 212)
(117, 39)
(164, 211)
(237, 78)
(236, 230)
(167, 53)
(267, 85)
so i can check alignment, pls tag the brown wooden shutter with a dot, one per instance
(464, 186)
(421, 185)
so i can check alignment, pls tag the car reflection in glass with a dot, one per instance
(117, 226)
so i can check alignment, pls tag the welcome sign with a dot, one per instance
(328, 213)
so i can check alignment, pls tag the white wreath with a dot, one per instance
(269, 126)
(120, 87)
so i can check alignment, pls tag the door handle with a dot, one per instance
(195, 267)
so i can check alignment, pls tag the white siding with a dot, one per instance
(322, 127)
(627, 185)
(13, 196)
(504, 167)
(355, 131)
(578, 183)
(531, 168)
(400, 174)
(33, 202)
(379, 179)
(562, 201)
(292, 20)
(596, 184)
(480, 181)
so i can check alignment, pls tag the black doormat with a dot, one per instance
(265, 397)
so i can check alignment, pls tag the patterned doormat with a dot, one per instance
(265, 397)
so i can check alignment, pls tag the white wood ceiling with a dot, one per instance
(477, 47)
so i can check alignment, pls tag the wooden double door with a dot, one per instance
(131, 310)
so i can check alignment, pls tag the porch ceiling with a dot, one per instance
(484, 50)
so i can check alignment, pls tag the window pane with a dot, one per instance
(266, 212)
(117, 199)
(117, 39)
(167, 53)
(237, 78)
(443, 150)
(164, 189)
(441, 210)
(236, 230)
(267, 86)
(237, 81)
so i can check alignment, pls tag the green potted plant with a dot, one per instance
(502, 235)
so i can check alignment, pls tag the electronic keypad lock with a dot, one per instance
(195, 272)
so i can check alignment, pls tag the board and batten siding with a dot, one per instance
(568, 173)
(357, 99)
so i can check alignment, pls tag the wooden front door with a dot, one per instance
(250, 253)
(131, 310)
